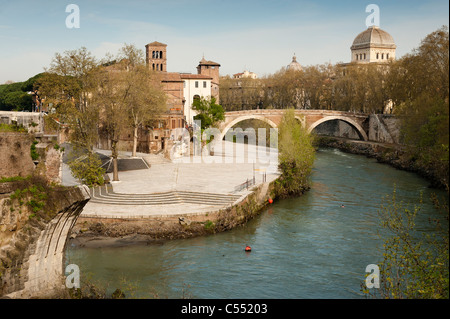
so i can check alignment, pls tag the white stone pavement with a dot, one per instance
(211, 174)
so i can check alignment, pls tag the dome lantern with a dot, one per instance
(294, 65)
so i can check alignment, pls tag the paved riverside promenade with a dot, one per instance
(184, 186)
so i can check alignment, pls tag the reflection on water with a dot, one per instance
(307, 247)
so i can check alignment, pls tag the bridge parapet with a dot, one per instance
(297, 111)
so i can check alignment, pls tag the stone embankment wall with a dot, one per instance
(32, 247)
(89, 230)
(15, 157)
(16, 160)
(35, 217)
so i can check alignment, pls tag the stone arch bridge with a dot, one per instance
(309, 119)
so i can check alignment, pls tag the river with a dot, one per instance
(306, 247)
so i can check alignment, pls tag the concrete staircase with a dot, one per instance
(153, 159)
(106, 195)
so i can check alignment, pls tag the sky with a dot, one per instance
(256, 35)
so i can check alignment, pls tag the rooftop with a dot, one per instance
(195, 76)
(373, 37)
(156, 44)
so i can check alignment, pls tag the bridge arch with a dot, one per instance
(224, 130)
(354, 124)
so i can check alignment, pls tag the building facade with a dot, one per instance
(181, 89)
(211, 69)
(245, 74)
(373, 45)
(156, 56)
(195, 86)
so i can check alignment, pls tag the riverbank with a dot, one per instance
(392, 154)
(297, 244)
(91, 231)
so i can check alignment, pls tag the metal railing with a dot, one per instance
(246, 185)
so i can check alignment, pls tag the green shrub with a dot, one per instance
(34, 154)
(296, 157)
(88, 169)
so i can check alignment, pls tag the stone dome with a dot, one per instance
(373, 37)
(294, 65)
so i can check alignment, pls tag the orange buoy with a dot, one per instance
(248, 248)
(270, 200)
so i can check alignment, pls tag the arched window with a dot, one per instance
(364, 56)
(356, 57)
(378, 56)
(382, 56)
(153, 66)
(196, 97)
(387, 56)
(160, 54)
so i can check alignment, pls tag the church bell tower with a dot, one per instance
(156, 56)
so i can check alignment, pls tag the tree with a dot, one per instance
(415, 265)
(127, 95)
(240, 94)
(361, 88)
(14, 96)
(87, 168)
(283, 89)
(296, 157)
(16, 101)
(66, 88)
(209, 113)
(110, 97)
(145, 98)
(419, 87)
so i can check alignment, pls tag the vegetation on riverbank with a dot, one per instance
(415, 264)
(296, 157)
(420, 91)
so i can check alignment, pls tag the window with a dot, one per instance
(156, 54)
(382, 56)
(356, 57)
(378, 56)
(364, 56)
(196, 84)
(204, 84)
(387, 56)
